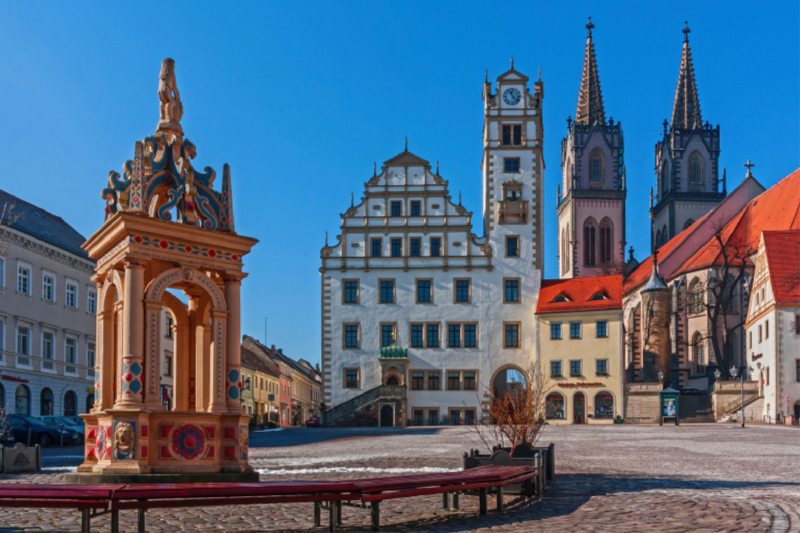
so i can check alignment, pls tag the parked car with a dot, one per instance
(40, 433)
(64, 421)
(313, 422)
(78, 420)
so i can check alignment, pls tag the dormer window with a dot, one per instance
(512, 135)
(560, 298)
(599, 297)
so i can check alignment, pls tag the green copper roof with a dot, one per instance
(394, 352)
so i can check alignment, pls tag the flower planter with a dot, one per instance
(541, 458)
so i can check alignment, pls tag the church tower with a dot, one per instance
(513, 167)
(591, 205)
(687, 171)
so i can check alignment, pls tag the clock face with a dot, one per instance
(511, 96)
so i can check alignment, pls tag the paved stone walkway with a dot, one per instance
(701, 478)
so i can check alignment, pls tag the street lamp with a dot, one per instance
(660, 376)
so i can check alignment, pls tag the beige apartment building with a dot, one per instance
(47, 313)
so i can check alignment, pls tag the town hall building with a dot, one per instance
(420, 314)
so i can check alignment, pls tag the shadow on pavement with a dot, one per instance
(301, 436)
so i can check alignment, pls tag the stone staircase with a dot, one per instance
(348, 409)
(696, 408)
(753, 409)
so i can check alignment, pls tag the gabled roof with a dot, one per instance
(580, 291)
(41, 225)
(686, 108)
(253, 362)
(778, 208)
(590, 98)
(406, 159)
(783, 260)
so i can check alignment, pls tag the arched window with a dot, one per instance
(688, 223)
(562, 250)
(658, 239)
(664, 235)
(569, 249)
(695, 297)
(590, 242)
(698, 347)
(22, 400)
(392, 380)
(46, 403)
(606, 241)
(665, 178)
(696, 176)
(555, 406)
(604, 405)
(597, 169)
(568, 178)
(70, 404)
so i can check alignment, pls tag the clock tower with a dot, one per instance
(513, 167)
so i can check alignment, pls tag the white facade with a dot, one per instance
(773, 337)
(388, 251)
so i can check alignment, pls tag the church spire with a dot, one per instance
(590, 99)
(686, 109)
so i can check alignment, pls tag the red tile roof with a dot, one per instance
(777, 208)
(579, 292)
(783, 259)
(252, 362)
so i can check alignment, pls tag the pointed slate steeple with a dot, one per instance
(686, 109)
(590, 99)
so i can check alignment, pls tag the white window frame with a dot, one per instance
(2, 273)
(91, 301)
(91, 348)
(29, 269)
(46, 274)
(74, 361)
(71, 284)
(2, 341)
(52, 345)
(17, 339)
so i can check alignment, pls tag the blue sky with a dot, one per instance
(301, 98)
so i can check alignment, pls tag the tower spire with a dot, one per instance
(590, 99)
(686, 109)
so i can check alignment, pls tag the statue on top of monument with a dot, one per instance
(171, 107)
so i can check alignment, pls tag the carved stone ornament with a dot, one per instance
(123, 440)
(243, 443)
(160, 181)
(487, 250)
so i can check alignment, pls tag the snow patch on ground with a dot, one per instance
(58, 469)
(266, 430)
(345, 469)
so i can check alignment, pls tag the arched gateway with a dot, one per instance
(167, 228)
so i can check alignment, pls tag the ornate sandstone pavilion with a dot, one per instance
(167, 228)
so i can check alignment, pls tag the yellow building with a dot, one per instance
(580, 337)
(261, 384)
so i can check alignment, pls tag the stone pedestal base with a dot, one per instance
(127, 479)
(127, 442)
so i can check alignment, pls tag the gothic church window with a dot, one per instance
(590, 243)
(665, 178)
(696, 181)
(606, 241)
(596, 169)
(658, 239)
(688, 223)
(512, 134)
(695, 297)
(699, 352)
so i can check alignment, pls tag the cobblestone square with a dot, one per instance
(692, 478)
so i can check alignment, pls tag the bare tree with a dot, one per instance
(516, 416)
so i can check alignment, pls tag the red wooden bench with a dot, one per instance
(96, 500)
(91, 500)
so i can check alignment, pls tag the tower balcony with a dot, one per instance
(512, 211)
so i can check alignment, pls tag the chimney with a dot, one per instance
(280, 351)
(273, 347)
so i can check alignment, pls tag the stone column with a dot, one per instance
(152, 313)
(104, 370)
(233, 287)
(217, 392)
(183, 357)
(132, 371)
